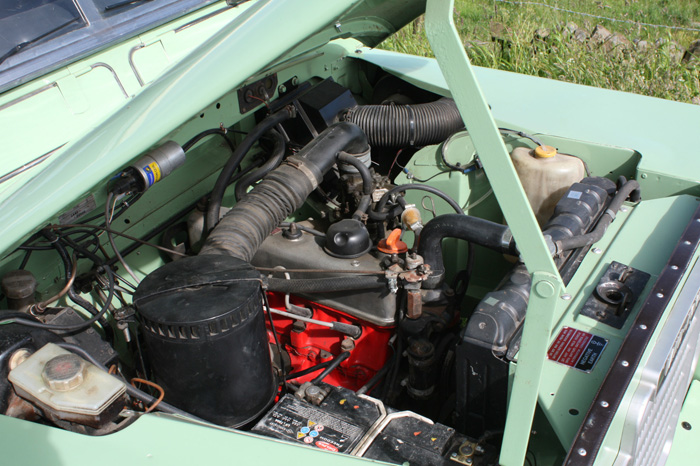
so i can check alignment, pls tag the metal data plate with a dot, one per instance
(615, 295)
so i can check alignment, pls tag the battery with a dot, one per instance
(362, 426)
(337, 424)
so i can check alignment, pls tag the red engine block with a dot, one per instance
(313, 344)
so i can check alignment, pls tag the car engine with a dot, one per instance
(339, 301)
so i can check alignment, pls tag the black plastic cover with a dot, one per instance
(348, 239)
(205, 339)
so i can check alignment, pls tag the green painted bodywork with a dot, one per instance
(102, 112)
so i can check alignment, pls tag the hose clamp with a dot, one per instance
(411, 126)
(299, 165)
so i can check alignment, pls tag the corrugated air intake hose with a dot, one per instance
(407, 125)
(241, 232)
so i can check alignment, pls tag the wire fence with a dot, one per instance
(590, 15)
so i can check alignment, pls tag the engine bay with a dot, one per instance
(333, 269)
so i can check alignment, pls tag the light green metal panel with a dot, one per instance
(546, 283)
(487, 140)
(72, 101)
(642, 237)
(163, 106)
(156, 439)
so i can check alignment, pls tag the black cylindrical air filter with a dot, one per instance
(205, 339)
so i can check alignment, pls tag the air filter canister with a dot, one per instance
(205, 340)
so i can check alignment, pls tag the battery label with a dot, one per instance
(577, 349)
(295, 420)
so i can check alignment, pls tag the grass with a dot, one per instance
(533, 39)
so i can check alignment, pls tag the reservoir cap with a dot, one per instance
(545, 152)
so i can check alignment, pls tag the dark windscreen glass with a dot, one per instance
(26, 22)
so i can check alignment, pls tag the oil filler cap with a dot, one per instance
(64, 373)
(392, 244)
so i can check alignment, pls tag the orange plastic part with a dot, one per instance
(393, 245)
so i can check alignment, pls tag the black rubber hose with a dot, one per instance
(76, 298)
(326, 285)
(407, 125)
(630, 188)
(241, 232)
(272, 162)
(362, 169)
(367, 183)
(189, 144)
(473, 229)
(380, 215)
(301, 373)
(331, 367)
(217, 194)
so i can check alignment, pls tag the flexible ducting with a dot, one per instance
(241, 232)
(407, 125)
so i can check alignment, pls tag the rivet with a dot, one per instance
(623, 209)
(687, 242)
(674, 267)
(566, 297)
(643, 327)
(604, 404)
(625, 363)
(659, 295)
(596, 250)
(582, 451)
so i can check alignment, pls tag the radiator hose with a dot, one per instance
(407, 125)
(241, 232)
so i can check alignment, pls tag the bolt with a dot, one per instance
(347, 345)
(282, 89)
(644, 176)
(454, 455)
(479, 449)
(566, 297)
(295, 81)
(625, 363)
(468, 461)
(596, 250)
(582, 451)
(358, 51)
(355, 263)
(604, 404)
(338, 26)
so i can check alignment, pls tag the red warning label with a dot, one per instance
(577, 349)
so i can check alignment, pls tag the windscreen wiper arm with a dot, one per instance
(115, 6)
(27, 43)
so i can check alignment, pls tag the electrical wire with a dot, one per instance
(161, 392)
(110, 236)
(118, 233)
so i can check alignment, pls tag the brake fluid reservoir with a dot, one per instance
(545, 176)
